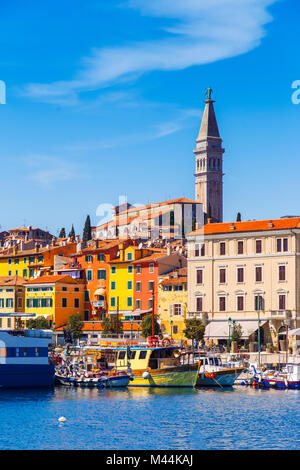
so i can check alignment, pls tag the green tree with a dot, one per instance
(72, 232)
(146, 326)
(111, 325)
(87, 231)
(62, 233)
(236, 332)
(194, 329)
(75, 325)
(238, 217)
(39, 323)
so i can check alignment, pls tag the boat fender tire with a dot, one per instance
(146, 375)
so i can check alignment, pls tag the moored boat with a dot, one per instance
(157, 366)
(212, 372)
(24, 360)
(288, 377)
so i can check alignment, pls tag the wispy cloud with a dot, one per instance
(47, 172)
(202, 32)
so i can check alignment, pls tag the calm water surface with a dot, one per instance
(238, 418)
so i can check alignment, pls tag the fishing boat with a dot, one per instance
(94, 381)
(288, 377)
(86, 368)
(212, 371)
(157, 366)
(24, 359)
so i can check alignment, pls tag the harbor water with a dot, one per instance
(149, 418)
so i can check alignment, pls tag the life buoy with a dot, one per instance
(166, 342)
(212, 376)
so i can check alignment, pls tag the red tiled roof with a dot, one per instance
(248, 226)
(53, 279)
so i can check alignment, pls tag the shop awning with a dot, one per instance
(295, 332)
(100, 291)
(220, 329)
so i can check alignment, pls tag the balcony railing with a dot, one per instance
(98, 303)
(286, 314)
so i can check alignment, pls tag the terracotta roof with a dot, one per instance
(248, 226)
(53, 279)
(11, 280)
(175, 280)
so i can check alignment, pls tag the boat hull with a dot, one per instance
(280, 384)
(224, 378)
(26, 375)
(110, 382)
(175, 377)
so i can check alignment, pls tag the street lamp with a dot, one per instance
(230, 322)
(259, 308)
(131, 330)
(171, 323)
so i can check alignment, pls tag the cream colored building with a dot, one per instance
(12, 301)
(232, 266)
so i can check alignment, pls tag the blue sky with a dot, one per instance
(104, 98)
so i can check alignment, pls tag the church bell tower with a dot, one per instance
(209, 164)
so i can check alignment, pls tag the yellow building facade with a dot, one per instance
(173, 306)
(55, 298)
(12, 300)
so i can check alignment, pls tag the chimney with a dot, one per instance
(121, 250)
(36, 247)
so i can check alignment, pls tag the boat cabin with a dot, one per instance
(153, 358)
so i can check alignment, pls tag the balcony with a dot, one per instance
(281, 314)
(98, 303)
(203, 316)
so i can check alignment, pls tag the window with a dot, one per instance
(88, 258)
(278, 242)
(20, 302)
(129, 301)
(282, 273)
(86, 315)
(180, 287)
(199, 304)
(175, 329)
(258, 302)
(101, 257)
(138, 269)
(31, 259)
(16, 260)
(199, 275)
(151, 268)
(113, 285)
(9, 273)
(150, 286)
(138, 286)
(24, 272)
(143, 354)
(282, 244)
(240, 274)
(113, 270)
(130, 269)
(203, 250)
(258, 246)
(129, 256)
(240, 303)
(177, 309)
(76, 303)
(40, 259)
(282, 301)
(113, 302)
(197, 252)
(150, 303)
(167, 288)
(258, 274)
(222, 304)
(9, 303)
(31, 272)
(222, 248)
(64, 302)
(1, 303)
(138, 304)
(64, 289)
(89, 274)
(87, 296)
(9, 261)
(129, 285)
(222, 276)
(240, 248)
(25, 260)
(76, 289)
(101, 274)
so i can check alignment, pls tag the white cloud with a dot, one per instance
(202, 32)
(48, 171)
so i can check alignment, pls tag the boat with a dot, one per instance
(212, 371)
(24, 359)
(86, 368)
(155, 365)
(288, 377)
(92, 381)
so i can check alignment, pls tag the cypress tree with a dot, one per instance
(87, 232)
(238, 217)
(62, 233)
(72, 233)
